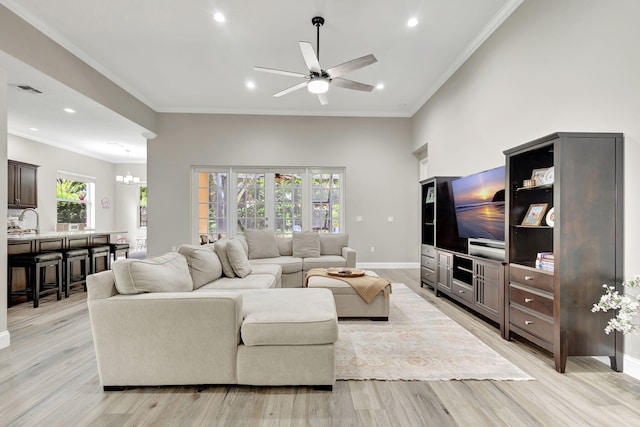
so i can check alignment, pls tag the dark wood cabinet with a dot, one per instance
(22, 180)
(438, 226)
(475, 282)
(549, 296)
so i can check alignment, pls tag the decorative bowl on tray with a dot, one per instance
(345, 272)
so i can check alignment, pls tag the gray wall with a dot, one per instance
(381, 172)
(570, 65)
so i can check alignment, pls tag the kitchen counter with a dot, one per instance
(56, 240)
(59, 234)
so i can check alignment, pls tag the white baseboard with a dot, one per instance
(385, 265)
(631, 365)
(5, 339)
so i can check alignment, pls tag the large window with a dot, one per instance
(75, 199)
(142, 206)
(211, 210)
(280, 199)
(325, 188)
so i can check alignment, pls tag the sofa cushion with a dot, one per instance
(306, 244)
(166, 273)
(289, 317)
(332, 243)
(238, 258)
(272, 269)
(262, 244)
(285, 246)
(204, 264)
(324, 261)
(221, 249)
(289, 264)
(252, 281)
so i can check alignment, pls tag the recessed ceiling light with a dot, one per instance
(219, 17)
(412, 22)
(380, 86)
(69, 110)
(251, 85)
(34, 129)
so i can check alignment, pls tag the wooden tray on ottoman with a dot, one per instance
(345, 272)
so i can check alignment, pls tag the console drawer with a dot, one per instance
(428, 262)
(428, 250)
(531, 300)
(428, 277)
(531, 277)
(535, 325)
(462, 291)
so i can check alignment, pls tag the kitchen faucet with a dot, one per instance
(21, 217)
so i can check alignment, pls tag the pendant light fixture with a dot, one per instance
(128, 179)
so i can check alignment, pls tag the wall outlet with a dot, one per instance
(358, 219)
(390, 218)
(373, 249)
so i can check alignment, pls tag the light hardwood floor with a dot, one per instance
(48, 377)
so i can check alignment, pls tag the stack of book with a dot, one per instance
(544, 261)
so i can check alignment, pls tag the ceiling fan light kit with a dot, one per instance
(317, 80)
(318, 85)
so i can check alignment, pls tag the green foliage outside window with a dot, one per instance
(72, 207)
(142, 204)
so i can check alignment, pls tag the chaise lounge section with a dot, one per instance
(161, 322)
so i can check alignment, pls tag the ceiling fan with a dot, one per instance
(317, 81)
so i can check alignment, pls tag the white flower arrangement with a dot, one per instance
(627, 320)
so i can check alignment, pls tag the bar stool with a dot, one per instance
(35, 265)
(95, 254)
(117, 248)
(71, 256)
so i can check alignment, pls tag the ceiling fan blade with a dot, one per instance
(354, 64)
(322, 97)
(291, 89)
(350, 84)
(281, 72)
(310, 57)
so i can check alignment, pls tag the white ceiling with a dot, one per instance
(175, 57)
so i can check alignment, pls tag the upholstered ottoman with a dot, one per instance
(288, 337)
(349, 303)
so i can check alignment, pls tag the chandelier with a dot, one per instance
(128, 179)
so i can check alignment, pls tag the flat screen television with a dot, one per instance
(479, 204)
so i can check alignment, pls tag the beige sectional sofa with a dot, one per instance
(300, 253)
(176, 319)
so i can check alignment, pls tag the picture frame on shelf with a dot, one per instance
(534, 215)
(538, 176)
(431, 195)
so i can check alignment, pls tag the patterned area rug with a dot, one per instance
(419, 342)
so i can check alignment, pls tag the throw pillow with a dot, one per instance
(204, 264)
(285, 246)
(262, 244)
(237, 258)
(166, 273)
(306, 244)
(221, 249)
(332, 244)
(245, 245)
